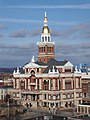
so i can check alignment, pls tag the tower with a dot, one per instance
(45, 46)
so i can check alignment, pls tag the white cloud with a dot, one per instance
(83, 30)
(77, 53)
(19, 20)
(19, 33)
(37, 21)
(79, 6)
(20, 54)
(3, 26)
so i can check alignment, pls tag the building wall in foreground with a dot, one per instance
(60, 90)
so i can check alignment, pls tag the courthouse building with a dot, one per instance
(47, 82)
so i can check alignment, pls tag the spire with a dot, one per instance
(45, 14)
(45, 28)
(45, 20)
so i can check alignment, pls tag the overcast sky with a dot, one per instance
(21, 22)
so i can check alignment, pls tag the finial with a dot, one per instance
(17, 70)
(32, 59)
(53, 70)
(45, 14)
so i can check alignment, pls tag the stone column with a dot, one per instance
(80, 109)
(77, 108)
(25, 83)
(40, 84)
(36, 84)
(84, 109)
(87, 110)
(35, 97)
(72, 83)
(63, 83)
(49, 84)
(49, 105)
(53, 84)
(17, 81)
(76, 82)
(58, 84)
(14, 83)
(28, 84)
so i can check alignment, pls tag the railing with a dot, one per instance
(30, 92)
(32, 83)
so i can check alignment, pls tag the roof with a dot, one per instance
(50, 68)
(41, 63)
(51, 65)
(21, 70)
(56, 63)
(31, 64)
(52, 62)
(45, 29)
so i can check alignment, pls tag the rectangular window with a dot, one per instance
(78, 109)
(22, 85)
(67, 70)
(66, 96)
(45, 96)
(1, 97)
(45, 87)
(89, 110)
(67, 85)
(1, 91)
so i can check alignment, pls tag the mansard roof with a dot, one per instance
(52, 62)
(41, 63)
(56, 63)
(50, 67)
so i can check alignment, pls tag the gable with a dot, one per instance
(31, 65)
(68, 64)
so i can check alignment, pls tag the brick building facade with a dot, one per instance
(47, 82)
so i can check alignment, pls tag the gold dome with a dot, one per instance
(45, 29)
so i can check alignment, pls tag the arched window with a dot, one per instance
(45, 38)
(44, 49)
(32, 72)
(48, 39)
(45, 82)
(42, 39)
